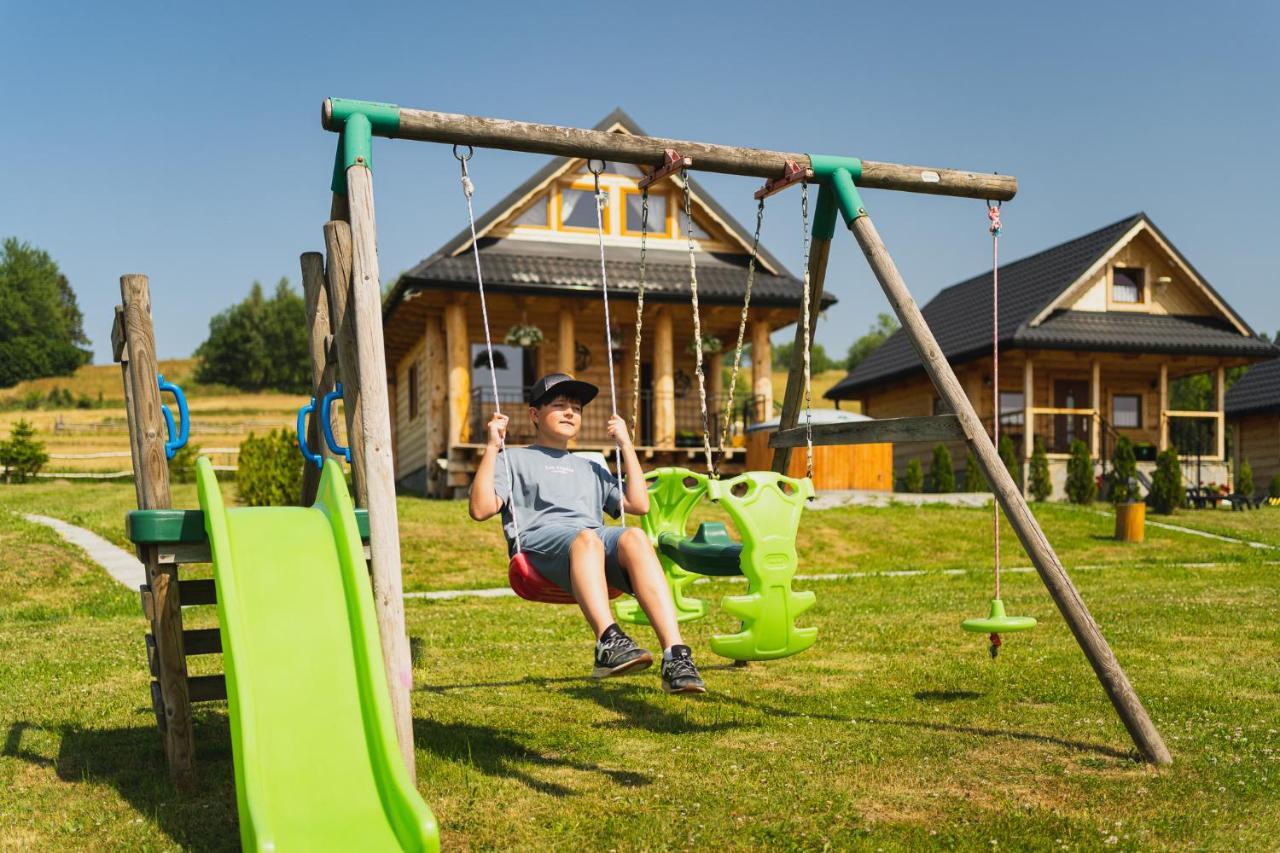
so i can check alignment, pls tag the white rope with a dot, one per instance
(601, 200)
(993, 213)
(804, 312)
(467, 189)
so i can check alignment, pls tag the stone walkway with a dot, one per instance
(120, 564)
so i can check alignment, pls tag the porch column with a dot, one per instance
(664, 382)
(566, 342)
(1164, 406)
(762, 368)
(437, 402)
(1095, 402)
(1028, 419)
(1221, 384)
(458, 354)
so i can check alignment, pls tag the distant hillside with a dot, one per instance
(95, 379)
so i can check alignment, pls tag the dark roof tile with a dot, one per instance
(1257, 391)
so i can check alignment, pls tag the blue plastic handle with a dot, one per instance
(312, 458)
(173, 445)
(326, 424)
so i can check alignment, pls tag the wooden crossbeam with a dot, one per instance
(888, 430)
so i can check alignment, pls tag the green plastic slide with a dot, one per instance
(316, 761)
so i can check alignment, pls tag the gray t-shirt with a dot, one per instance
(554, 488)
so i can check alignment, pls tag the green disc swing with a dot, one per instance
(765, 506)
(997, 621)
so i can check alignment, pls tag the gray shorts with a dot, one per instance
(548, 549)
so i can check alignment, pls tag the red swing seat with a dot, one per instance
(528, 583)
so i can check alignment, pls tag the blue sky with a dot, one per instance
(183, 140)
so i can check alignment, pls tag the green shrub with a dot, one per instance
(270, 470)
(974, 479)
(84, 401)
(21, 457)
(942, 475)
(914, 479)
(1041, 485)
(1009, 456)
(1124, 472)
(182, 467)
(32, 400)
(1274, 491)
(1244, 483)
(1166, 484)
(1082, 488)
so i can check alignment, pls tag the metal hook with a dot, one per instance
(462, 159)
(593, 170)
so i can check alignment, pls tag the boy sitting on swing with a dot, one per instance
(560, 498)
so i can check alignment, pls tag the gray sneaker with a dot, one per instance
(618, 654)
(679, 675)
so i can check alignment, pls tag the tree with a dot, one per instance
(21, 457)
(974, 479)
(1041, 485)
(1274, 490)
(942, 475)
(259, 344)
(819, 361)
(269, 472)
(1244, 483)
(41, 327)
(1124, 472)
(884, 326)
(1009, 456)
(913, 481)
(1082, 488)
(1166, 493)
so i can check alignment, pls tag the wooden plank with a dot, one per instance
(337, 243)
(198, 591)
(890, 430)
(375, 419)
(151, 475)
(207, 688)
(458, 360)
(118, 335)
(429, 126)
(1074, 611)
(436, 400)
(202, 641)
(316, 295)
(793, 397)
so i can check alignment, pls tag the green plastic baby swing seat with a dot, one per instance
(710, 551)
(997, 622)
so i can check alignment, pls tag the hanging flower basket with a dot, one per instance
(710, 345)
(524, 336)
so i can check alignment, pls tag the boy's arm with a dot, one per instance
(484, 501)
(635, 499)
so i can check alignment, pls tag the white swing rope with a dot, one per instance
(808, 335)
(468, 189)
(697, 326)
(993, 214)
(601, 200)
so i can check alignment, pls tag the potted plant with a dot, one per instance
(710, 346)
(524, 335)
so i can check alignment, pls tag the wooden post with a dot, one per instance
(793, 397)
(1220, 382)
(1164, 406)
(1095, 401)
(151, 480)
(458, 349)
(1123, 697)
(337, 241)
(762, 369)
(565, 342)
(380, 475)
(437, 403)
(1028, 420)
(664, 382)
(316, 294)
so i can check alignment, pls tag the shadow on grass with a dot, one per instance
(945, 695)
(527, 681)
(499, 753)
(132, 761)
(643, 708)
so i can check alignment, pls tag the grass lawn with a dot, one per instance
(895, 731)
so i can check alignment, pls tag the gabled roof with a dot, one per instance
(1257, 391)
(532, 266)
(1030, 288)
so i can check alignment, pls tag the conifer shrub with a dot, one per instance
(1244, 482)
(270, 470)
(1124, 472)
(913, 480)
(974, 479)
(21, 457)
(1041, 485)
(1166, 484)
(942, 475)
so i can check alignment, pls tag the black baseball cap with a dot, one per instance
(555, 384)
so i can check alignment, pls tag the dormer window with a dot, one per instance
(1127, 285)
(635, 213)
(578, 210)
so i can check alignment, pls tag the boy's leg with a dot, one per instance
(649, 583)
(616, 653)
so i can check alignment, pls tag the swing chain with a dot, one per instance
(697, 325)
(808, 334)
(742, 326)
(635, 384)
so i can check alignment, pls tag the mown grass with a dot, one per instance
(896, 731)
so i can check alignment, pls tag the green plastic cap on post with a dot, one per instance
(357, 123)
(841, 175)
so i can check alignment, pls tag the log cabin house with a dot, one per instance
(540, 260)
(1253, 410)
(1092, 332)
